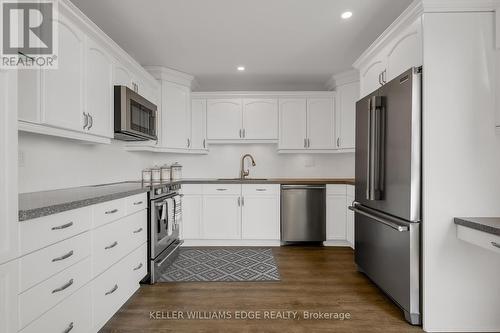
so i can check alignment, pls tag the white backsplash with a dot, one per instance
(53, 163)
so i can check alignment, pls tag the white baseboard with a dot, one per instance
(337, 243)
(229, 242)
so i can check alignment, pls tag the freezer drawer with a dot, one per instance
(303, 213)
(388, 253)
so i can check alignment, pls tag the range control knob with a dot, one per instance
(158, 191)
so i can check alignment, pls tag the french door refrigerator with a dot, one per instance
(388, 190)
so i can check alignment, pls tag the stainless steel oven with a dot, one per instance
(135, 116)
(165, 217)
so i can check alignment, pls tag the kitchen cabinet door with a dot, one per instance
(260, 119)
(406, 51)
(224, 119)
(260, 218)
(99, 79)
(191, 216)
(336, 219)
(121, 75)
(198, 124)
(347, 96)
(320, 123)
(221, 217)
(9, 288)
(292, 123)
(9, 225)
(63, 89)
(350, 231)
(176, 105)
(370, 75)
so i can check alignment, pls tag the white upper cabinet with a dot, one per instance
(260, 119)
(345, 111)
(176, 105)
(99, 91)
(121, 75)
(8, 176)
(320, 123)
(62, 92)
(401, 52)
(198, 120)
(292, 123)
(224, 119)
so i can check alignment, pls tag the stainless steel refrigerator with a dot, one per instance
(387, 202)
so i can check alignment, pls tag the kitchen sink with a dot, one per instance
(242, 179)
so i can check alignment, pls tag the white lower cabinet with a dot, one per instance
(72, 315)
(221, 216)
(339, 219)
(260, 212)
(218, 212)
(8, 297)
(87, 264)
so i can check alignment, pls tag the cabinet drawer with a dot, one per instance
(136, 265)
(40, 265)
(35, 301)
(109, 291)
(335, 189)
(263, 189)
(108, 211)
(223, 189)
(136, 203)
(480, 238)
(109, 245)
(38, 233)
(192, 188)
(137, 230)
(74, 315)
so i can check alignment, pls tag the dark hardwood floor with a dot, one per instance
(312, 279)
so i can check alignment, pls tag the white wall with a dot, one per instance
(51, 163)
(461, 165)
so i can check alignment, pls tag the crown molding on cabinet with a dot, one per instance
(171, 75)
(92, 29)
(340, 79)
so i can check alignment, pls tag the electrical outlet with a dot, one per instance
(20, 159)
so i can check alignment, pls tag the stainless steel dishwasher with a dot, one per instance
(303, 213)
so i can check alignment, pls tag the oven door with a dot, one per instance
(161, 221)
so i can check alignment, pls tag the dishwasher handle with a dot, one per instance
(303, 187)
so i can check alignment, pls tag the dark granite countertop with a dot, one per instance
(39, 204)
(490, 225)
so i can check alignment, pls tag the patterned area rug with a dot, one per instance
(222, 264)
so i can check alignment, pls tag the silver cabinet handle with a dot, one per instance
(64, 256)
(69, 328)
(495, 244)
(308, 143)
(239, 201)
(338, 142)
(111, 211)
(240, 132)
(64, 226)
(261, 189)
(305, 143)
(384, 73)
(244, 133)
(204, 143)
(138, 203)
(86, 120)
(138, 267)
(188, 142)
(379, 78)
(91, 121)
(222, 189)
(67, 285)
(243, 201)
(111, 246)
(115, 288)
(137, 231)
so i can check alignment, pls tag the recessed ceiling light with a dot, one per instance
(346, 15)
(240, 68)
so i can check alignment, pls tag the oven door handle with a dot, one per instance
(165, 259)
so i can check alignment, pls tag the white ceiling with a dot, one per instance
(284, 44)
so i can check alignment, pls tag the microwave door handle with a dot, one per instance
(368, 151)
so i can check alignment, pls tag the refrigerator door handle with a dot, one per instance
(378, 146)
(401, 226)
(368, 151)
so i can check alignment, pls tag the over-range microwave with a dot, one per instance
(135, 116)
